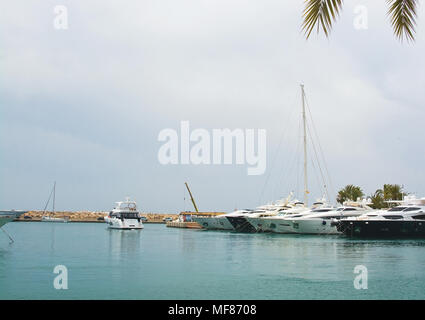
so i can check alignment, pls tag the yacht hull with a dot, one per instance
(241, 224)
(379, 228)
(126, 224)
(213, 223)
(263, 224)
(314, 226)
(9, 215)
(5, 219)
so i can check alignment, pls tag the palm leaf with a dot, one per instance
(320, 13)
(403, 18)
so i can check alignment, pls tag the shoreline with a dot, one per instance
(90, 216)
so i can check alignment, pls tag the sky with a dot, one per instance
(83, 106)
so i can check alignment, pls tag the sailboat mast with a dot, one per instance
(54, 196)
(305, 148)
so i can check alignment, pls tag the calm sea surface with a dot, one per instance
(168, 263)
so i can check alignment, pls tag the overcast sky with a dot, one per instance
(84, 106)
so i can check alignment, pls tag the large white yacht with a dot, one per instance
(281, 223)
(405, 220)
(124, 216)
(240, 222)
(264, 223)
(323, 221)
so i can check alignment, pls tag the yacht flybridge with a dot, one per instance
(405, 220)
(124, 216)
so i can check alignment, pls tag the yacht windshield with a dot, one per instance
(411, 209)
(397, 209)
(129, 215)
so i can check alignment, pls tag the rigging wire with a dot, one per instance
(275, 155)
(318, 164)
(320, 149)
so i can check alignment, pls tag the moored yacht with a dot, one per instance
(281, 223)
(240, 222)
(219, 222)
(323, 220)
(405, 220)
(124, 216)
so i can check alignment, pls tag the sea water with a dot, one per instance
(170, 263)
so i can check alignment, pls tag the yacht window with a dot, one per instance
(397, 209)
(349, 209)
(321, 210)
(393, 217)
(129, 215)
(411, 209)
(419, 217)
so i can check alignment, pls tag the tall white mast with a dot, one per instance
(54, 196)
(305, 149)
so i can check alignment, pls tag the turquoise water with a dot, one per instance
(168, 263)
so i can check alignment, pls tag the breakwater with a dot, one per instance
(91, 216)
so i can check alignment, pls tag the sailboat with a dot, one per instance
(52, 218)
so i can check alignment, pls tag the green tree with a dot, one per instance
(377, 199)
(349, 192)
(389, 192)
(321, 14)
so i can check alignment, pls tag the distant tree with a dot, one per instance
(349, 192)
(377, 199)
(393, 192)
(389, 192)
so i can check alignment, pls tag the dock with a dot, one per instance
(184, 219)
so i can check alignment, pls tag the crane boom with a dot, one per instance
(191, 197)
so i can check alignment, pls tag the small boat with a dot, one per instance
(124, 216)
(405, 220)
(51, 217)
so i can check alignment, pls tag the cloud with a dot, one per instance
(86, 105)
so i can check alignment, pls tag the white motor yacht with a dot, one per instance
(242, 222)
(124, 216)
(323, 221)
(281, 223)
(264, 223)
(405, 220)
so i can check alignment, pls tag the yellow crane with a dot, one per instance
(191, 197)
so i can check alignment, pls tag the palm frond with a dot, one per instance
(403, 18)
(320, 13)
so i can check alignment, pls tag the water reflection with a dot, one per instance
(124, 243)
